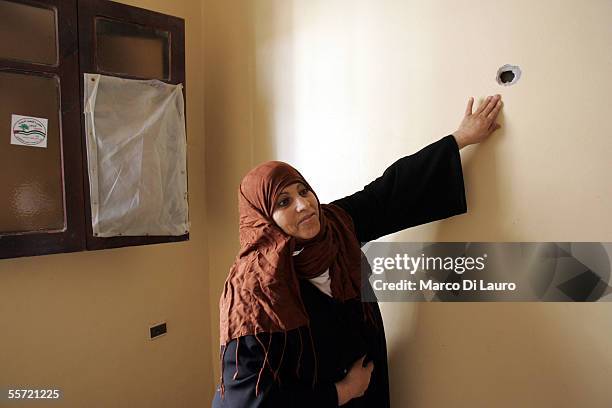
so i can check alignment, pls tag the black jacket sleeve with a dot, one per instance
(290, 391)
(416, 189)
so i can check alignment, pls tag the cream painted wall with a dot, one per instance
(79, 322)
(342, 88)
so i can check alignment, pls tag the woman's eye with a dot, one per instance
(304, 191)
(283, 203)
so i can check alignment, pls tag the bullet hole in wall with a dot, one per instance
(508, 75)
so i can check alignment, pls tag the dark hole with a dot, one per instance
(506, 76)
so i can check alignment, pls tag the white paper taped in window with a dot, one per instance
(136, 153)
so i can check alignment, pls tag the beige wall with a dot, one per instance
(343, 88)
(79, 322)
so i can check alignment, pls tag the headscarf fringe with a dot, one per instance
(263, 366)
(280, 363)
(222, 386)
(237, 348)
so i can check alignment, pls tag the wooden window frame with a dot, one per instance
(67, 71)
(88, 11)
(76, 53)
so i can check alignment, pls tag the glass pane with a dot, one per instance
(31, 176)
(130, 49)
(28, 33)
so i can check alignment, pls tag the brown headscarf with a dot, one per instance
(261, 293)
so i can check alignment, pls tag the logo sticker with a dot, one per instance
(28, 131)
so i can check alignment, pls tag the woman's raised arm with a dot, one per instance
(423, 187)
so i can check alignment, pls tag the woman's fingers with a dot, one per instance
(491, 105)
(482, 105)
(494, 126)
(493, 114)
(470, 105)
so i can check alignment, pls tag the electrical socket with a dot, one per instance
(157, 330)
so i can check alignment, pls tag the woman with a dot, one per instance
(294, 332)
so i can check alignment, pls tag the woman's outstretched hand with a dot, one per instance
(356, 381)
(478, 126)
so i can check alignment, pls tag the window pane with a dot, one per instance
(28, 33)
(31, 177)
(130, 49)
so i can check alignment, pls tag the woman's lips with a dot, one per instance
(306, 219)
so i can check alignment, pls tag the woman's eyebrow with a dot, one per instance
(286, 192)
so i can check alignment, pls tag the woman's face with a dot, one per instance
(296, 212)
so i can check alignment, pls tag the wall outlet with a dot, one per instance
(157, 330)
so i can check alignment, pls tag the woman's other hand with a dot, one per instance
(356, 381)
(478, 126)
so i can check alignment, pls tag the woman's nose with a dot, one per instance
(301, 204)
